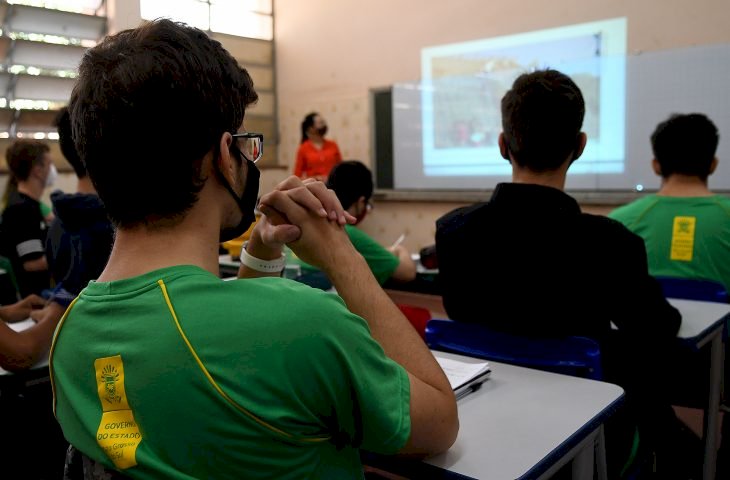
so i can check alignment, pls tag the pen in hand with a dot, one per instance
(399, 241)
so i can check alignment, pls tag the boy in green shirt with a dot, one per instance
(686, 228)
(161, 369)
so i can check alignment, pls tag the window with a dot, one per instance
(87, 7)
(242, 18)
(41, 45)
(246, 29)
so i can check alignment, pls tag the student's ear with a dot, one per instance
(657, 168)
(503, 148)
(225, 162)
(713, 165)
(580, 145)
(362, 205)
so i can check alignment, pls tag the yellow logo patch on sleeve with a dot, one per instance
(683, 239)
(118, 434)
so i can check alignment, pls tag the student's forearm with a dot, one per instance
(434, 418)
(363, 295)
(7, 314)
(22, 350)
(406, 270)
(258, 250)
(37, 265)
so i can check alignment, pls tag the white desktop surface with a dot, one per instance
(519, 416)
(697, 317)
(228, 261)
(416, 257)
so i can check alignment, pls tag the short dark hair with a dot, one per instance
(542, 115)
(149, 104)
(306, 123)
(66, 142)
(23, 155)
(685, 144)
(350, 180)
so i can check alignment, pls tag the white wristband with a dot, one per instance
(265, 266)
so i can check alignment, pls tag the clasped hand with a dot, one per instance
(305, 215)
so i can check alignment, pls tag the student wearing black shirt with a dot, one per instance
(23, 225)
(529, 262)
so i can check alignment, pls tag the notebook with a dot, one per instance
(464, 377)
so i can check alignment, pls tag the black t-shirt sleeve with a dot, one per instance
(24, 233)
(455, 269)
(641, 308)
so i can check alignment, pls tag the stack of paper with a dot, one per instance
(463, 376)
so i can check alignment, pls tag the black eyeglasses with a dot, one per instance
(250, 144)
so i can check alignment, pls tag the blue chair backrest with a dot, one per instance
(577, 356)
(693, 289)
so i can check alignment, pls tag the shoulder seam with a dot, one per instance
(646, 210)
(716, 200)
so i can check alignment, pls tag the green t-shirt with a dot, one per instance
(242, 379)
(685, 237)
(45, 209)
(381, 262)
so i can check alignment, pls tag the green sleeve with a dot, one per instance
(381, 261)
(45, 209)
(632, 212)
(624, 214)
(348, 381)
(618, 213)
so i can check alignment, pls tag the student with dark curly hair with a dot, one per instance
(163, 370)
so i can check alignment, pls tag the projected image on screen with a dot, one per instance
(466, 104)
(464, 83)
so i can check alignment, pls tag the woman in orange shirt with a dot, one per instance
(316, 156)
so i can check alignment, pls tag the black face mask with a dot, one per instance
(322, 131)
(247, 202)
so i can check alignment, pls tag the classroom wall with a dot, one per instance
(330, 54)
(122, 14)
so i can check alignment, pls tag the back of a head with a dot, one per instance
(23, 155)
(148, 105)
(66, 142)
(542, 115)
(350, 180)
(685, 144)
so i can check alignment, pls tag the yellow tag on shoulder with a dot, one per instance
(118, 434)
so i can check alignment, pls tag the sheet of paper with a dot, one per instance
(22, 325)
(460, 373)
